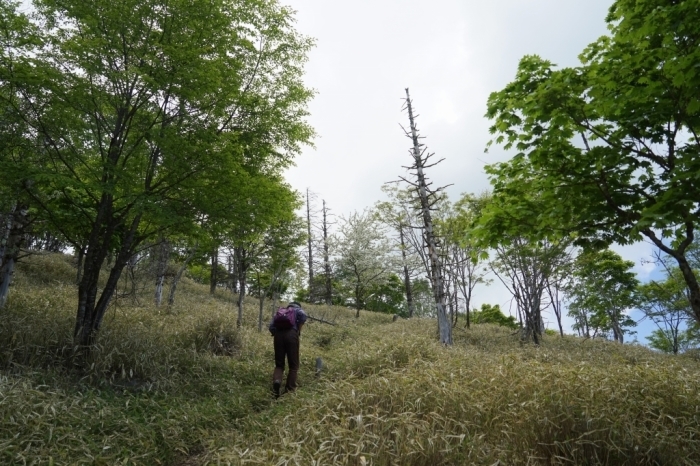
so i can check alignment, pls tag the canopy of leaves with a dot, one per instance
(602, 289)
(492, 314)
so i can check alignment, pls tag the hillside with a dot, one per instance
(184, 387)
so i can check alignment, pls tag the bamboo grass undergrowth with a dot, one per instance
(184, 386)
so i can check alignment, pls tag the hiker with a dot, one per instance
(285, 327)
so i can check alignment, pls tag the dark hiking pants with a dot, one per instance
(287, 345)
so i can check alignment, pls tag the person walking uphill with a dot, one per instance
(285, 327)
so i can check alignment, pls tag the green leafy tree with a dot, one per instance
(341, 295)
(489, 314)
(274, 258)
(463, 253)
(602, 289)
(666, 304)
(684, 340)
(387, 297)
(612, 146)
(252, 234)
(144, 112)
(526, 260)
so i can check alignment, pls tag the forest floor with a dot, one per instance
(184, 387)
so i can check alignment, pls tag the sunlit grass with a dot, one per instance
(184, 386)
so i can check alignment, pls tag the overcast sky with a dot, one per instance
(451, 54)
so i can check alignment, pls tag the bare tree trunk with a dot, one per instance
(162, 256)
(213, 274)
(555, 302)
(406, 276)
(234, 273)
(180, 272)
(444, 327)
(456, 300)
(261, 297)
(242, 273)
(326, 260)
(309, 242)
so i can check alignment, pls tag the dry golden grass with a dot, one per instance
(163, 389)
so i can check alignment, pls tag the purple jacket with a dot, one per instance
(300, 319)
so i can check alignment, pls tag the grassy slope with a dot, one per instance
(156, 392)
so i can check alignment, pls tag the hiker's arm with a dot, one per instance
(300, 326)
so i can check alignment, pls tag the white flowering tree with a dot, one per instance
(364, 255)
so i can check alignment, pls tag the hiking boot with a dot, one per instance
(276, 388)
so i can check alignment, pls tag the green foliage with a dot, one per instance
(275, 254)
(341, 295)
(489, 314)
(685, 340)
(143, 119)
(602, 288)
(666, 304)
(201, 273)
(610, 147)
(388, 297)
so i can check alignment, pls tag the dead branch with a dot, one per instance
(316, 319)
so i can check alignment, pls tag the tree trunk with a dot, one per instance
(406, 276)
(234, 273)
(444, 327)
(6, 272)
(178, 276)
(326, 260)
(242, 272)
(691, 281)
(556, 304)
(456, 300)
(618, 335)
(309, 242)
(91, 310)
(162, 256)
(81, 257)
(213, 274)
(467, 300)
(10, 245)
(261, 297)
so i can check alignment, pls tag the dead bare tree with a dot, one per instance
(310, 245)
(326, 258)
(428, 197)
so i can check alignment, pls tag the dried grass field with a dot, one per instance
(185, 387)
